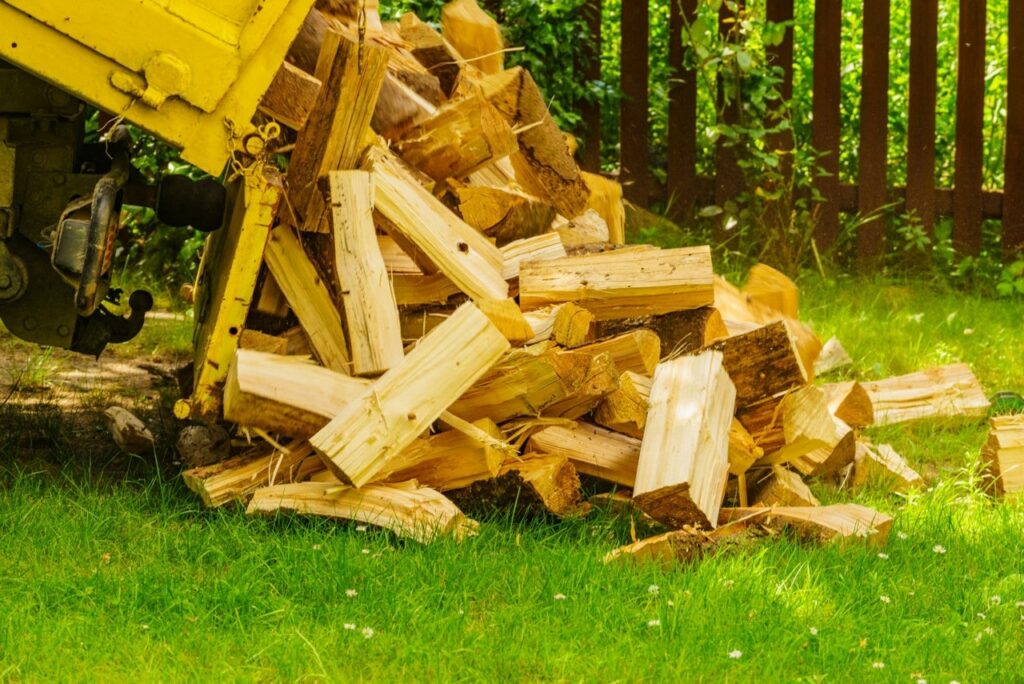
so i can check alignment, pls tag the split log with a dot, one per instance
(255, 340)
(129, 432)
(422, 290)
(622, 284)
(377, 425)
(884, 467)
(289, 395)
(451, 459)
(593, 451)
(574, 326)
(374, 331)
(503, 213)
(850, 403)
(600, 380)
(625, 409)
(456, 249)
(291, 96)
(637, 351)
(408, 510)
(743, 452)
(783, 487)
(772, 288)
(1003, 456)
(586, 230)
(681, 332)
(308, 297)
(539, 248)
(507, 317)
(396, 260)
(669, 548)
(606, 200)
(535, 482)
(840, 523)
(832, 357)
(237, 478)
(684, 458)
(474, 34)
(432, 51)
(460, 138)
(543, 165)
(762, 363)
(542, 322)
(947, 392)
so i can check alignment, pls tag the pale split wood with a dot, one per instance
(587, 230)
(377, 425)
(681, 332)
(883, 467)
(782, 487)
(601, 379)
(308, 297)
(850, 403)
(637, 351)
(838, 523)
(534, 482)
(833, 357)
(460, 252)
(773, 289)
(574, 326)
(421, 290)
(505, 214)
(625, 409)
(606, 200)
(669, 548)
(506, 316)
(235, 479)
(291, 96)
(949, 393)
(592, 450)
(539, 248)
(432, 51)
(684, 459)
(621, 284)
(474, 34)
(259, 341)
(129, 432)
(1003, 456)
(407, 509)
(374, 331)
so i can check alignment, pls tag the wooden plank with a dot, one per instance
(1013, 208)
(308, 297)
(924, 28)
(622, 284)
(374, 331)
(291, 96)
(589, 70)
(825, 131)
(970, 124)
(682, 115)
(398, 407)
(874, 133)
(633, 108)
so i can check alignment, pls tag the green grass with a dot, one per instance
(111, 571)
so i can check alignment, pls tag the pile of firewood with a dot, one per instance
(448, 320)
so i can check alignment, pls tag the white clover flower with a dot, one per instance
(902, 535)
(653, 589)
(878, 665)
(922, 680)
(735, 655)
(654, 623)
(366, 552)
(367, 632)
(885, 599)
(981, 616)
(996, 600)
(883, 556)
(361, 528)
(814, 631)
(670, 603)
(559, 597)
(316, 547)
(349, 625)
(351, 593)
(939, 549)
(989, 631)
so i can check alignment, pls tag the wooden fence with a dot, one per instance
(967, 202)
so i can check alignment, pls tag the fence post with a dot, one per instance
(924, 28)
(633, 135)
(874, 132)
(589, 70)
(970, 120)
(728, 175)
(828, 24)
(1013, 187)
(682, 115)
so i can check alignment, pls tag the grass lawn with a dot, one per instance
(110, 569)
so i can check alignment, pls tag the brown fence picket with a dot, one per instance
(970, 120)
(924, 28)
(828, 24)
(682, 115)
(633, 111)
(590, 70)
(1013, 204)
(874, 132)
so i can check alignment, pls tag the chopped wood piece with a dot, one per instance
(524, 383)
(592, 450)
(338, 129)
(783, 487)
(675, 546)
(270, 300)
(773, 289)
(836, 523)
(374, 331)
(543, 165)
(586, 230)
(291, 96)
(606, 200)
(201, 445)
(460, 138)
(474, 34)
(257, 341)
(237, 478)
(762, 362)
(432, 51)
(507, 317)
(832, 357)
(681, 332)
(539, 482)
(290, 395)
(377, 425)
(621, 284)
(542, 322)
(1003, 456)
(449, 460)
(396, 261)
(420, 290)
(637, 351)
(503, 213)
(574, 326)
(601, 379)
(684, 458)
(625, 409)
(850, 403)
(883, 466)
(947, 392)
(417, 323)
(129, 432)
(743, 452)
(308, 297)
(406, 509)
(539, 248)
(456, 249)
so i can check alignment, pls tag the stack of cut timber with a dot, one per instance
(447, 322)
